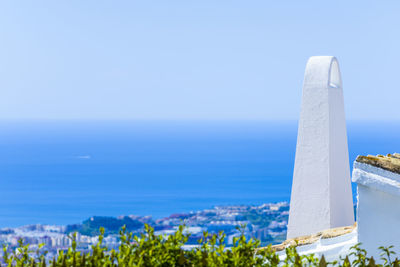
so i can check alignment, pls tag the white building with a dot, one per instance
(378, 205)
(321, 192)
(378, 213)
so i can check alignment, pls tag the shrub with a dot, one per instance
(149, 249)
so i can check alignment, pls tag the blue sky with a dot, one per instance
(192, 59)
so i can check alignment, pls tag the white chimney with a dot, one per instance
(321, 191)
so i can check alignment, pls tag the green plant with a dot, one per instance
(149, 249)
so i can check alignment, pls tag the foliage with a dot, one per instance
(149, 249)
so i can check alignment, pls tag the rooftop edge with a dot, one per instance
(310, 239)
(390, 162)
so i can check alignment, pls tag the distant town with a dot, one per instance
(267, 222)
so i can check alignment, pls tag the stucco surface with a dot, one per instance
(311, 239)
(332, 247)
(376, 178)
(321, 191)
(378, 209)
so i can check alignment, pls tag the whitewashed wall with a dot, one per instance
(378, 208)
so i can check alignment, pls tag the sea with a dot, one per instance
(63, 172)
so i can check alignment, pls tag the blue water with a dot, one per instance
(63, 172)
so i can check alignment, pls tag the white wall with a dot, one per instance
(332, 248)
(378, 218)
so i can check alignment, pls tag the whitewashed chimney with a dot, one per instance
(321, 191)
